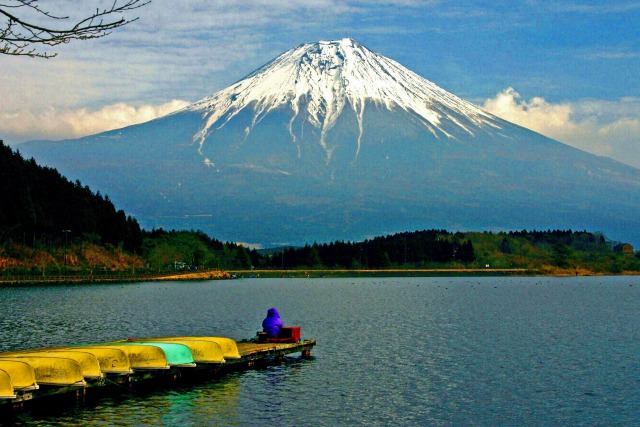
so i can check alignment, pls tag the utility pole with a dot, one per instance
(66, 232)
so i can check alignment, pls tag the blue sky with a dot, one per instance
(567, 69)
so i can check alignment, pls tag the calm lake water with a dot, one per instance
(392, 351)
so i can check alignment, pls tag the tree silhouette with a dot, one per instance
(27, 27)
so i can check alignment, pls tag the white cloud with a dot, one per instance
(610, 55)
(609, 7)
(606, 128)
(24, 125)
(535, 114)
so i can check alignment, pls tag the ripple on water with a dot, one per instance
(411, 351)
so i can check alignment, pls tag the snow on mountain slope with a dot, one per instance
(326, 77)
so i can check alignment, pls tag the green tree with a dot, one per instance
(505, 246)
(313, 257)
(385, 261)
(560, 255)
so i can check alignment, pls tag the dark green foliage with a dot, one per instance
(404, 249)
(505, 246)
(580, 240)
(37, 205)
(561, 254)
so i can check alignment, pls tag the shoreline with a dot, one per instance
(308, 273)
(426, 272)
(88, 279)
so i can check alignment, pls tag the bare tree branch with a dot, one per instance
(20, 37)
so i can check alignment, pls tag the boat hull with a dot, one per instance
(112, 360)
(141, 357)
(6, 387)
(88, 362)
(23, 377)
(56, 371)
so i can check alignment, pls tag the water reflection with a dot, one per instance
(210, 403)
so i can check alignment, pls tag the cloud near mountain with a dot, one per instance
(605, 128)
(76, 123)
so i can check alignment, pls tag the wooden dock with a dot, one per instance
(252, 356)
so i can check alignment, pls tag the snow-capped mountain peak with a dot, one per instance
(330, 141)
(320, 80)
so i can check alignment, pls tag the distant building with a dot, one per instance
(623, 248)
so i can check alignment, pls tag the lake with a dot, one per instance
(391, 351)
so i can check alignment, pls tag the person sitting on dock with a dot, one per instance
(272, 324)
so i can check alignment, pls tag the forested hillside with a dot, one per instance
(41, 208)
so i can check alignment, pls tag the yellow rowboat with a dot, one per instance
(140, 356)
(49, 370)
(88, 362)
(6, 387)
(112, 360)
(203, 351)
(23, 378)
(229, 346)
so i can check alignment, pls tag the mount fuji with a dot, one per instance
(331, 141)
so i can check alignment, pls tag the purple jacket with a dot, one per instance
(272, 323)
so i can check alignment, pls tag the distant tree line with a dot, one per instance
(581, 240)
(40, 207)
(415, 249)
(194, 249)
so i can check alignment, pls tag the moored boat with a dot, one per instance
(203, 351)
(50, 370)
(88, 362)
(6, 387)
(112, 360)
(23, 377)
(141, 357)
